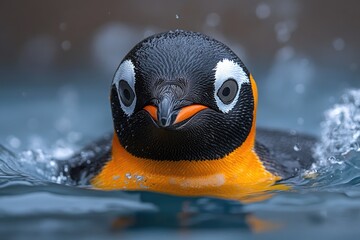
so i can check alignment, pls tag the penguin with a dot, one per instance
(184, 112)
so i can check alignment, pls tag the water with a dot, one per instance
(38, 199)
(55, 101)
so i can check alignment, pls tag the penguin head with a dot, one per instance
(182, 95)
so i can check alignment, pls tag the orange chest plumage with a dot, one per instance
(235, 176)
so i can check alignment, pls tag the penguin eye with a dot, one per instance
(228, 90)
(124, 82)
(127, 95)
(229, 77)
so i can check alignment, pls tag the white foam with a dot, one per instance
(340, 130)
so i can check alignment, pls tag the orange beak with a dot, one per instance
(184, 113)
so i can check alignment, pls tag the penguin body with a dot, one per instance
(184, 111)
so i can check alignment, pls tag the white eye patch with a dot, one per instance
(229, 77)
(124, 81)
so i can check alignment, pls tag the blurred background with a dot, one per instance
(57, 59)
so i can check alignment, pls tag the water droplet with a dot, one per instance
(213, 19)
(62, 26)
(62, 153)
(263, 11)
(143, 186)
(338, 44)
(297, 147)
(128, 175)
(284, 30)
(300, 121)
(139, 178)
(66, 45)
(177, 16)
(14, 141)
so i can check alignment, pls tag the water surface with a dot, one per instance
(37, 199)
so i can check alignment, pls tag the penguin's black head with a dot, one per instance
(181, 95)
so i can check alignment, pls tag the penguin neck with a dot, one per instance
(236, 176)
(242, 159)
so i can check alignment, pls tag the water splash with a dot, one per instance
(340, 137)
(38, 166)
(338, 151)
(32, 166)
